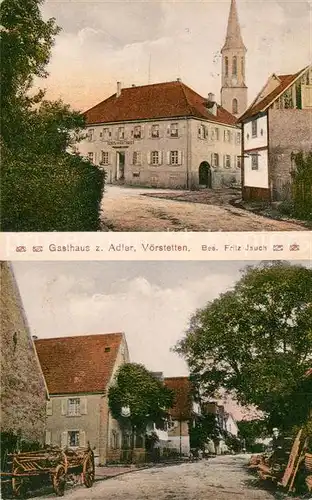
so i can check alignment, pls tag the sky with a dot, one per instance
(148, 41)
(151, 302)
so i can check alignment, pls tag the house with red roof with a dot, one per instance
(163, 135)
(78, 371)
(276, 125)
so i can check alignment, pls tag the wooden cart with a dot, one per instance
(53, 463)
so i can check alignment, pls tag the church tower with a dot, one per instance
(233, 90)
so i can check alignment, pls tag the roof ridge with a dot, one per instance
(80, 336)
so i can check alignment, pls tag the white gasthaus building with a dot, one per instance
(166, 134)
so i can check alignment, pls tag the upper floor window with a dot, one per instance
(174, 157)
(155, 158)
(215, 159)
(234, 66)
(137, 157)
(73, 406)
(226, 66)
(106, 134)
(234, 107)
(238, 138)
(155, 131)
(174, 130)
(91, 134)
(137, 132)
(217, 133)
(91, 156)
(254, 128)
(254, 161)
(227, 136)
(202, 131)
(121, 132)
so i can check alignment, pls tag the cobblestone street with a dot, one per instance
(220, 478)
(127, 209)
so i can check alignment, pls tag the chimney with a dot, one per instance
(118, 89)
(178, 79)
(133, 85)
(211, 97)
(211, 104)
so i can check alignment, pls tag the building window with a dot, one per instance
(254, 128)
(73, 407)
(254, 161)
(226, 66)
(121, 133)
(105, 158)
(174, 157)
(90, 157)
(227, 161)
(174, 131)
(202, 132)
(154, 157)
(137, 133)
(227, 136)
(217, 132)
(90, 134)
(234, 67)
(137, 158)
(73, 438)
(106, 134)
(238, 138)
(155, 131)
(234, 107)
(114, 440)
(215, 159)
(238, 162)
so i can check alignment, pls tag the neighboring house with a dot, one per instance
(79, 371)
(166, 134)
(277, 124)
(226, 425)
(183, 414)
(23, 389)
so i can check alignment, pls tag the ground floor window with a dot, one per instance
(174, 157)
(238, 162)
(105, 157)
(227, 161)
(73, 438)
(254, 161)
(137, 158)
(155, 157)
(215, 159)
(90, 156)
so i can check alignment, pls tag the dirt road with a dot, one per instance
(132, 209)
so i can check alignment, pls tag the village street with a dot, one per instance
(139, 209)
(220, 478)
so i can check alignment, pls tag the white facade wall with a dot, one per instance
(257, 178)
(261, 139)
(191, 150)
(175, 442)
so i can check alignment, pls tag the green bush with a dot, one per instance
(60, 194)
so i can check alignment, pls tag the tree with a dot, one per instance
(43, 187)
(251, 430)
(147, 398)
(255, 341)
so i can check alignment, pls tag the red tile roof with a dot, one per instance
(151, 102)
(78, 364)
(257, 107)
(181, 386)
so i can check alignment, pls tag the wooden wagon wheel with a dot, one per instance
(18, 482)
(59, 480)
(88, 471)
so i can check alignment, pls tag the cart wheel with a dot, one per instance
(59, 480)
(18, 485)
(88, 472)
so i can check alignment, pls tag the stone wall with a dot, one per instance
(290, 130)
(23, 390)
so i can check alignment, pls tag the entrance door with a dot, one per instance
(204, 175)
(120, 171)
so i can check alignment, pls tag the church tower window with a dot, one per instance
(234, 67)
(226, 66)
(234, 107)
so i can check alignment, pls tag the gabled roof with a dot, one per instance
(233, 38)
(182, 407)
(261, 104)
(156, 101)
(79, 364)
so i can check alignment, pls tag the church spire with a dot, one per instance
(233, 35)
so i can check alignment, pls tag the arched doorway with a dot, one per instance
(204, 174)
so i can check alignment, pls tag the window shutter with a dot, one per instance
(49, 407)
(160, 155)
(48, 438)
(142, 131)
(212, 160)
(82, 438)
(64, 407)
(168, 130)
(180, 157)
(150, 131)
(149, 158)
(64, 439)
(109, 158)
(168, 157)
(83, 406)
(160, 130)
